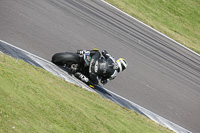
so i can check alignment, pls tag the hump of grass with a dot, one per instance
(34, 100)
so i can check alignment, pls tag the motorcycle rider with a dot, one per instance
(100, 68)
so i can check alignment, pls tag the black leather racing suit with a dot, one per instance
(100, 68)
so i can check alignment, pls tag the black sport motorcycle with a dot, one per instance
(74, 62)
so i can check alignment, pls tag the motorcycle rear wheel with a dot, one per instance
(66, 58)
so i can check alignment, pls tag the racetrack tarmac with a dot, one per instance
(162, 76)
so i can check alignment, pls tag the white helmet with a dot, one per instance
(122, 64)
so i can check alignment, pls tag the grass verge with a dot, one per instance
(33, 100)
(178, 19)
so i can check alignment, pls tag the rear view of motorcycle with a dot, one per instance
(75, 63)
(91, 66)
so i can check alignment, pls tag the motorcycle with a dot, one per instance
(74, 62)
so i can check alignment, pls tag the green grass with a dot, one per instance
(33, 100)
(178, 19)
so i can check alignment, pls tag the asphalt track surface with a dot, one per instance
(162, 76)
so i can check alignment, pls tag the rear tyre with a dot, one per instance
(65, 58)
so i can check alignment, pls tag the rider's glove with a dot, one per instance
(104, 81)
(104, 52)
(81, 52)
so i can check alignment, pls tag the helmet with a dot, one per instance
(122, 64)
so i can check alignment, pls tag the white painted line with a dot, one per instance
(155, 117)
(25, 51)
(150, 28)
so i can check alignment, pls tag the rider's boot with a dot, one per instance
(84, 79)
(81, 77)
